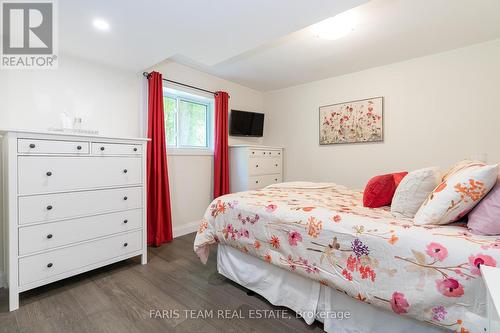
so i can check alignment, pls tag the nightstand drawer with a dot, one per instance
(47, 236)
(37, 146)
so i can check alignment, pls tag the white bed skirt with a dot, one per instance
(311, 299)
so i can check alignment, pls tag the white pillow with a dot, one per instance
(413, 190)
(457, 195)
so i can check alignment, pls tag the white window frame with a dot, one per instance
(177, 149)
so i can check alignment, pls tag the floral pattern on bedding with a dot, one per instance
(430, 273)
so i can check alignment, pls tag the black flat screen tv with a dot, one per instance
(243, 123)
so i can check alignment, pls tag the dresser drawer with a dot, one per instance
(37, 146)
(264, 165)
(257, 182)
(264, 153)
(42, 174)
(103, 148)
(50, 264)
(50, 207)
(47, 236)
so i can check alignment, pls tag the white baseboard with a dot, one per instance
(185, 229)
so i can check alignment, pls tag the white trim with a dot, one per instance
(189, 152)
(3, 281)
(185, 229)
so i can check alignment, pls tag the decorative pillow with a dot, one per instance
(485, 217)
(457, 195)
(413, 190)
(380, 189)
(462, 165)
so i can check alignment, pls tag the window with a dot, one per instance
(188, 120)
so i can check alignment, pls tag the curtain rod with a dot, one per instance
(146, 74)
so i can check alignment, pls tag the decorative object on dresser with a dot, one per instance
(352, 122)
(72, 203)
(254, 167)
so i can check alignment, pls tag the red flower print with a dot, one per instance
(440, 187)
(399, 304)
(256, 244)
(275, 242)
(271, 208)
(351, 263)
(336, 218)
(268, 258)
(437, 251)
(347, 275)
(294, 237)
(450, 287)
(478, 260)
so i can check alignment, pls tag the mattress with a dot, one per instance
(323, 233)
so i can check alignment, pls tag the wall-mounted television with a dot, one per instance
(243, 123)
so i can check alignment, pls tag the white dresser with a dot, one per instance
(254, 167)
(71, 204)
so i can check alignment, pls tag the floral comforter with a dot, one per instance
(430, 273)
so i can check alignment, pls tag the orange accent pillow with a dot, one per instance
(380, 189)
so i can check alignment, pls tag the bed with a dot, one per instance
(321, 249)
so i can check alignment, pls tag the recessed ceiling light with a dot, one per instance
(336, 27)
(100, 24)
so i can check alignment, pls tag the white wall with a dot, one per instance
(191, 176)
(438, 110)
(107, 99)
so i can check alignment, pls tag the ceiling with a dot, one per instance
(268, 45)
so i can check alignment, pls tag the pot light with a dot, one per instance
(100, 24)
(337, 26)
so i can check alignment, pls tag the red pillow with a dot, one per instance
(380, 189)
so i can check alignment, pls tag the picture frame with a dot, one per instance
(358, 121)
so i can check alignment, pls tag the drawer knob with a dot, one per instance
(264, 153)
(49, 207)
(79, 147)
(125, 170)
(125, 198)
(135, 148)
(256, 165)
(276, 165)
(49, 236)
(125, 244)
(253, 153)
(32, 145)
(125, 221)
(49, 173)
(275, 179)
(49, 265)
(102, 148)
(256, 182)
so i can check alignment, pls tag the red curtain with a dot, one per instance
(158, 194)
(221, 150)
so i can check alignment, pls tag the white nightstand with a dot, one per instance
(491, 277)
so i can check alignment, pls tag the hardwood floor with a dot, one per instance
(119, 298)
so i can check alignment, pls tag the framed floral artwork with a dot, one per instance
(352, 122)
